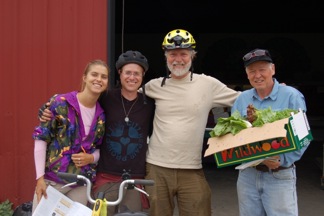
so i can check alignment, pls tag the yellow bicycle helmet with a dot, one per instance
(177, 39)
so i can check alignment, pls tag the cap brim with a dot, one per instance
(257, 58)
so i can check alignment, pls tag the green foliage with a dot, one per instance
(232, 124)
(235, 123)
(268, 116)
(6, 208)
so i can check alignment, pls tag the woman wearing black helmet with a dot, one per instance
(129, 123)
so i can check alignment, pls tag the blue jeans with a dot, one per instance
(267, 193)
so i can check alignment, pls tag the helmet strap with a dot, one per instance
(166, 76)
(192, 70)
(144, 96)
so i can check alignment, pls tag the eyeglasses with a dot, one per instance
(250, 55)
(135, 74)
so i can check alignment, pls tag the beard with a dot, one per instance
(178, 72)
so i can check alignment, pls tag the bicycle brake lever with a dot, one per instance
(142, 191)
(69, 184)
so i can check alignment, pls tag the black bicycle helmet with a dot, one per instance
(131, 56)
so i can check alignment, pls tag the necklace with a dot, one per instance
(126, 114)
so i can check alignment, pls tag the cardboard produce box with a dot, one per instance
(286, 135)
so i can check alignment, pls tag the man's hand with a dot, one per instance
(44, 113)
(272, 162)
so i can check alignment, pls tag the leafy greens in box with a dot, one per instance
(255, 118)
(284, 135)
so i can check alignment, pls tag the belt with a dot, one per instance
(264, 168)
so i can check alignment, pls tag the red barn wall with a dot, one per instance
(44, 47)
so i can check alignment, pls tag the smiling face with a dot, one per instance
(260, 75)
(95, 79)
(179, 62)
(131, 77)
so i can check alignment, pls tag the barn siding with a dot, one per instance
(44, 47)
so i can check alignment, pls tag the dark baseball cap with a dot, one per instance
(256, 55)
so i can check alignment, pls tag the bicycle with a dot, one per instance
(100, 203)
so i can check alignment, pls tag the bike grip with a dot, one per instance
(144, 182)
(68, 176)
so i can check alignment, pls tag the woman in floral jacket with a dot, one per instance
(70, 141)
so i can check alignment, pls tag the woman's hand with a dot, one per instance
(82, 159)
(41, 188)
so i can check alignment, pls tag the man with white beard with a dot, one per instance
(183, 101)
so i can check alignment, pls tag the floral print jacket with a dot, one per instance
(65, 135)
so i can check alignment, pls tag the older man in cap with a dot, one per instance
(269, 188)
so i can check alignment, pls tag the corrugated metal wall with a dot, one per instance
(44, 47)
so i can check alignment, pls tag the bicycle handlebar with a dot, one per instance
(143, 182)
(74, 178)
(68, 176)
